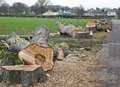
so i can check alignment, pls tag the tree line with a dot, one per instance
(40, 7)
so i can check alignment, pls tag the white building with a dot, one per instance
(111, 13)
(50, 13)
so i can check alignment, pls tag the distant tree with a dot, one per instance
(118, 12)
(82, 10)
(79, 11)
(98, 9)
(20, 9)
(54, 8)
(43, 3)
(40, 7)
(66, 8)
(35, 9)
(76, 10)
(51, 7)
(4, 9)
(1, 2)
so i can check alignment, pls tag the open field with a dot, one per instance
(24, 25)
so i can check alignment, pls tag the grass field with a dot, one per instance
(24, 25)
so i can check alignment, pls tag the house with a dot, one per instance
(111, 13)
(66, 13)
(101, 12)
(90, 12)
(50, 13)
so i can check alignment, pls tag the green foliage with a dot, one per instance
(102, 25)
(6, 54)
(23, 25)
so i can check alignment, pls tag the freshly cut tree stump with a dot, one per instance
(83, 35)
(25, 74)
(27, 68)
(37, 55)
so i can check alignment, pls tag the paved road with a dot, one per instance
(109, 76)
(114, 36)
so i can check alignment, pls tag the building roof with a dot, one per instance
(50, 13)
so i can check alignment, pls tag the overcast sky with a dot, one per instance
(72, 3)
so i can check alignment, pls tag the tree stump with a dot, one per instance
(82, 35)
(26, 75)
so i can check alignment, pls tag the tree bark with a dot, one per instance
(15, 43)
(65, 30)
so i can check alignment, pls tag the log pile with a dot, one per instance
(35, 54)
(71, 30)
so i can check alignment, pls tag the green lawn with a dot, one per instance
(23, 25)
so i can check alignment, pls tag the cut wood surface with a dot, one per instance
(60, 54)
(20, 67)
(35, 54)
(81, 35)
(91, 23)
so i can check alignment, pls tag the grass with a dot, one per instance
(99, 39)
(23, 25)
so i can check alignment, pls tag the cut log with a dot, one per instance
(61, 51)
(54, 34)
(82, 35)
(65, 30)
(60, 55)
(35, 54)
(40, 36)
(16, 43)
(69, 30)
(27, 68)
